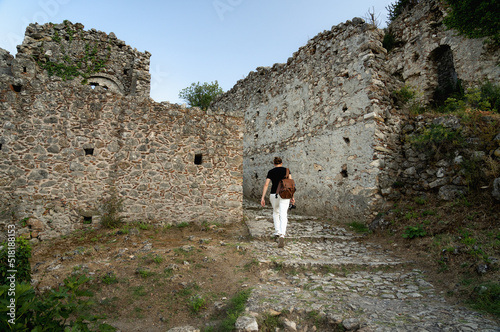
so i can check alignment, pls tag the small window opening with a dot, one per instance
(198, 159)
(125, 72)
(24, 70)
(0, 146)
(344, 171)
(89, 151)
(256, 176)
(93, 85)
(17, 88)
(344, 108)
(87, 220)
(347, 140)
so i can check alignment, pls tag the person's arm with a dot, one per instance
(262, 200)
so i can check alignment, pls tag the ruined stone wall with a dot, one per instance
(324, 112)
(66, 148)
(93, 57)
(428, 56)
(329, 112)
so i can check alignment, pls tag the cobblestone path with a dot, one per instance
(325, 273)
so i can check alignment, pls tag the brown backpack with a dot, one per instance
(286, 187)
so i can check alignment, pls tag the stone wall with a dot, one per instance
(323, 111)
(68, 51)
(67, 147)
(329, 111)
(430, 57)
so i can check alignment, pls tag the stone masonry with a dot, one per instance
(77, 126)
(329, 111)
(68, 145)
(428, 55)
(322, 111)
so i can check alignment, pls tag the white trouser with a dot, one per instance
(280, 217)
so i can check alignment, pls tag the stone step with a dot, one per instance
(299, 228)
(325, 254)
(325, 272)
(399, 308)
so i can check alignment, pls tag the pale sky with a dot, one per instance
(194, 40)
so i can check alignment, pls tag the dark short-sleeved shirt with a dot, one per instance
(276, 174)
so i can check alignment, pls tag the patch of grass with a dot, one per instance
(182, 225)
(233, 310)
(486, 297)
(158, 259)
(420, 200)
(269, 322)
(145, 273)
(109, 278)
(358, 227)
(248, 266)
(411, 215)
(138, 291)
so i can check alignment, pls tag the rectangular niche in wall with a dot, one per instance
(87, 220)
(198, 159)
(89, 151)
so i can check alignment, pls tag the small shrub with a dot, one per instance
(412, 232)
(473, 172)
(51, 311)
(389, 42)
(437, 141)
(196, 303)
(111, 207)
(404, 95)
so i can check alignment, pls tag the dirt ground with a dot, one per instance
(152, 278)
(459, 238)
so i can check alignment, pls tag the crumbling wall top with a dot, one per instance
(92, 57)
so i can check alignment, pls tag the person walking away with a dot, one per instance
(280, 205)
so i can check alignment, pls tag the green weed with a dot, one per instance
(486, 297)
(109, 278)
(412, 232)
(358, 227)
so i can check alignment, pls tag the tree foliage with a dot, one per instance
(475, 18)
(397, 8)
(201, 95)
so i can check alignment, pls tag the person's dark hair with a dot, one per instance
(277, 161)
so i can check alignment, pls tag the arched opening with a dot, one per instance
(448, 83)
(107, 82)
